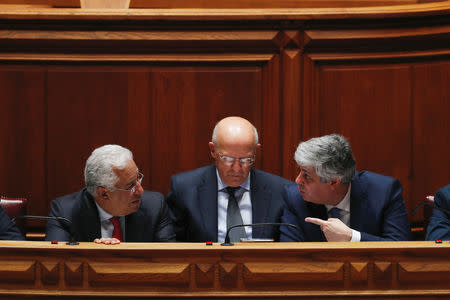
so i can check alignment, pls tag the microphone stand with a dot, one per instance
(66, 224)
(227, 236)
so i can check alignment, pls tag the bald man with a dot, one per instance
(206, 201)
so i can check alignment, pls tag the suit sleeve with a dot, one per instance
(56, 230)
(287, 233)
(164, 229)
(394, 223)
(439, 227)
(176, 211)
(8, 230)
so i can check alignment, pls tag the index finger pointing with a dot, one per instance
(315, 221)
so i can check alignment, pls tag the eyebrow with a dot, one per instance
(134, 180)
(304, 171)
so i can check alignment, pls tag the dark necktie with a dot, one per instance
(117, 232)
(234, 215)
(335, 213)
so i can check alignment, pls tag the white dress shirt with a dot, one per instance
(245, 206)
(344, 206)
(106, 226)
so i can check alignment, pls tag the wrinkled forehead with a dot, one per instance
(128, 174)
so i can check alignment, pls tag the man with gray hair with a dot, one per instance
(113, 207)
(332, 202)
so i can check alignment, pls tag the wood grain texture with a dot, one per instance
(157, 80)
(22, 130)
(413, 270)
(431, 107)
(440, 8)
(246, 3)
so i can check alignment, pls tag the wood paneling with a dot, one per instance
(431, 127)
(157, 80)
(367, 270)
(165, 115)
(22, 130)
(371, 95)
(371, 106)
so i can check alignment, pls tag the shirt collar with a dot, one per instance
(102, 213)
(221, 185)
(345, 203)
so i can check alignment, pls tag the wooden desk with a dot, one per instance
(282, 270)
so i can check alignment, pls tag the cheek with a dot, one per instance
(122, 200)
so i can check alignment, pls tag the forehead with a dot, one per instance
(237, 149)
(127, 174)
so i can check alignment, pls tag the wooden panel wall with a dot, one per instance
(69, 85)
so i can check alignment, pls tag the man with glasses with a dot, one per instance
(113, 207)
(206, 201)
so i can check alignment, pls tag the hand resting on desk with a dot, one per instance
(107, 241)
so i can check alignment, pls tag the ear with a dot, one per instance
(211, 149)
(258, 146)
(335, 183)
(101, 193)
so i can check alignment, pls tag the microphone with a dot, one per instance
(424, 203)
(63, 221)
(227, 235)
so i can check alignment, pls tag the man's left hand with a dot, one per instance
(107, 241)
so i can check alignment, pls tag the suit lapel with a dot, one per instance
(134, 227)
(89, 221)
(260, 197)
(207, 195)
(317, 211)
(358, 197)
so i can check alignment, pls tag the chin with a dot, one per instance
(235, 183)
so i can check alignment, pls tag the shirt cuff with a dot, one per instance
(356, 236)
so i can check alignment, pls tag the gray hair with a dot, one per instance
(330, 155)
(99, 167)
(214, 135)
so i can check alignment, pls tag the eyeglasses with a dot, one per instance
(246, 161)
(132, 189)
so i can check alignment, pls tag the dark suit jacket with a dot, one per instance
(8, 230)
(439, 227)
(150, 223)
(377, 210)
(193, 204)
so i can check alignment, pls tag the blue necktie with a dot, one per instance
(334, 213)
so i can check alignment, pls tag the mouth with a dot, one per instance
(301, 189)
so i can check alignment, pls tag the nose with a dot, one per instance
(139, 188)
(236, 166)
(299, 179)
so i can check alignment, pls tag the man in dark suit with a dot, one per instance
(113, 207)
(206, 201)
(439, 226)
(8, 230)
(331, 202)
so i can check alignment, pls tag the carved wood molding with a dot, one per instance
(287, 269)
(293, 12)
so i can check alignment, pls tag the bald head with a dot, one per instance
(233, 147)
(234, 130)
